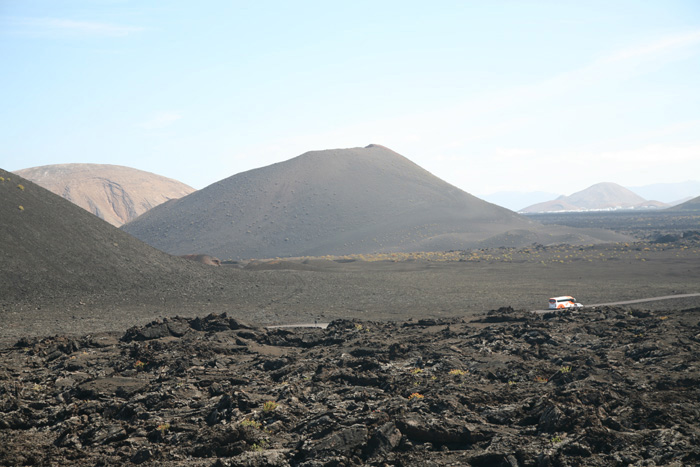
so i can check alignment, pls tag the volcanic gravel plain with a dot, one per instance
(140, 358)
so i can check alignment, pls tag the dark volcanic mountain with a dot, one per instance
(114, 193)
(51, 248)
(340, 201)
(601, 196)
(692, 205)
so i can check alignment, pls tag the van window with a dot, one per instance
(551, 300)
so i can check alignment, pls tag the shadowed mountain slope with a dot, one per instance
(51, 248)
(114, 193)
(339, 201)
(692, 205)
(600, 196)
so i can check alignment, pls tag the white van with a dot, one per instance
(558, 303)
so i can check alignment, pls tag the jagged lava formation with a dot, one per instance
(597, 388)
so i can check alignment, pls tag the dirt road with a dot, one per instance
(630, 302)
(652, 299)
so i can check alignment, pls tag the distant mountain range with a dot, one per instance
(334, 202)
(114, 193)
(667, 193)
(599, 197)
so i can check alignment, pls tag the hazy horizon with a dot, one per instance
(488, 96)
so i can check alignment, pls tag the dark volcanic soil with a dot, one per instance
(603, 387)
(435, 285)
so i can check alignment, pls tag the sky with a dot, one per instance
(489, 95)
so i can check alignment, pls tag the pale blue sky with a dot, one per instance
(488, 95)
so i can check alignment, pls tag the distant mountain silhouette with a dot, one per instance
(114, 193)
(601, 196)
(340, 201)
(692, 205)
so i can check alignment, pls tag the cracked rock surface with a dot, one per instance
(600, 387)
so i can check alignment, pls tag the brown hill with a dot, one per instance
(601, 196)
(114, 193)
(340, 201)
(51, 248)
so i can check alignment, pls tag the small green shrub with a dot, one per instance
(260, 446)
(252, 423)
(269, 406)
